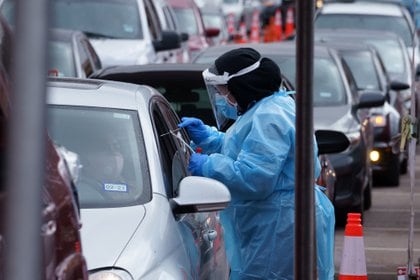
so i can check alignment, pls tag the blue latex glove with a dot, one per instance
(197, 130)
(196, 163)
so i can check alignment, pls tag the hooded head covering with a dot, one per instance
(253, 86)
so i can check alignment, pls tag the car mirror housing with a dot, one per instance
(169, 40)
(369, 99)
(184, 36)
(200, 194)
(212, 32)
(331, 141)
(397, 85)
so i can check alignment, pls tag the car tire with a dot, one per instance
(392, 177)
(367, 198)
(403, 166)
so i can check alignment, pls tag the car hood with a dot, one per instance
(106, 231)
(124, 52)
(336, 118)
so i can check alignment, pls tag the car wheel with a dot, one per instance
(367, 200)
(392, 177)
(403, 166)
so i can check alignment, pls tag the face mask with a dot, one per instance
(228, 110)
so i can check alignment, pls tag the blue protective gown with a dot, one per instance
(255, 159)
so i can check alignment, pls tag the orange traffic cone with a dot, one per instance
(353, 262)
(243, 37)
(255, 27)
(290, 23)
(231, 23)
(278, 26)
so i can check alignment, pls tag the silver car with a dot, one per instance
(143, 216)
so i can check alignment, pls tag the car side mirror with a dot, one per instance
(212, 32)
(184, 36)
(200, 194)
(369, 99)
(397, 85)
(331, 141)
(168, 41)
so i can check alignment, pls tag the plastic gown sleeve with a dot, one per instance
(213, 142)
(257, 170)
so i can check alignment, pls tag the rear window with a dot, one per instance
(109, 144)
(396, 25)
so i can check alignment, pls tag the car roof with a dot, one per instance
(354, 33)
(362, 8)
(97, 93)
(288, 47)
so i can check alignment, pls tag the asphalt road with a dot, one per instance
(386, 228)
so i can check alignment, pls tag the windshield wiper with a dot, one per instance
(98, 35)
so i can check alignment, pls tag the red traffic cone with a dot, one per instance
(290, 23)
(353, 262)
(278, 26)
(231, 23)
(255, 27)
(243, 37)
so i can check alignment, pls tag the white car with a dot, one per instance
(143, 216)
(123, 32)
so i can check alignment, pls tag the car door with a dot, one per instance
(198, 229)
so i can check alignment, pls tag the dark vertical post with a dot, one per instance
(26, 162)
(305, 246)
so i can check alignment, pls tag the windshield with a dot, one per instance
(396, 25)
(61, 59)
(98, 18)
(328, 87)
(187, 21)
(112, 158)
(363, 69)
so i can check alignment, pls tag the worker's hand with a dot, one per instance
(196, 163)
(197, 130)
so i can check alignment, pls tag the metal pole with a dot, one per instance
(305, 246)
(26, 160)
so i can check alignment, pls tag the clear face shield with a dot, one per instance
(224, 109)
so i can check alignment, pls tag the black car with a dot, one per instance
(370, 74)
(337, 106)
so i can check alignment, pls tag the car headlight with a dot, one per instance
(110, 274)
(378, 120)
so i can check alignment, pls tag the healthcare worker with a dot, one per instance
(255, 159)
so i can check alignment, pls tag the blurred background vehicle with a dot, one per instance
(213, 18)
(62, 255)
(168, 21)
(122, 32)
(190, 21)
(337, 106)
(135, 183)
(390, 48)
(71, 54)
(371, 15)
(370, 75)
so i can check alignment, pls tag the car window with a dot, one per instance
(187, 20)
(328, 87)
(398, 25)
(153, 20)
(85, 62)
(392, 54)
(107, 18)
(96, 62)
(61, 59)
(174, 151)
(111, 149)
(363, 69)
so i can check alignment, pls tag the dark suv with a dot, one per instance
(61, 243)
